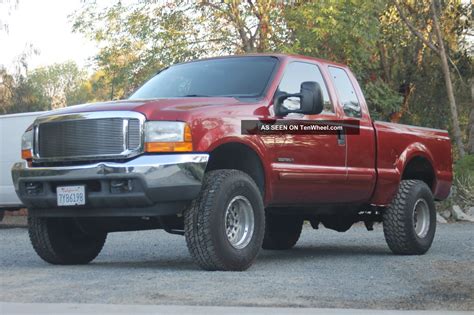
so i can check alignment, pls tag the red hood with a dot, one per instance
(153, 109)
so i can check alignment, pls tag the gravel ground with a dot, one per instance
(326, 269)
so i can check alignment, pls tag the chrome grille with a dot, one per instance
(134, 135)
(87, 138)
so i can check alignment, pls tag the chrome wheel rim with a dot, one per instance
(239, 222)
(421, 218)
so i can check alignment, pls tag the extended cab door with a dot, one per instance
(310, 168)
(361, 175)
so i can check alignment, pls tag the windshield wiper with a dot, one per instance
(229, 95)
(241, 95)
(196, 95)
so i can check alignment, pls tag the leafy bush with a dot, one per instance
(465, 166)
(464, 182)
(381, 99)
(463, 185)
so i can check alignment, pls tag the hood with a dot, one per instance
(151, 108)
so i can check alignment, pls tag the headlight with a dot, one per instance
(167, 136)
(27, 144)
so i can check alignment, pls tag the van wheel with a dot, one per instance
(61, 241)
(224, 226)
(409, 223)
(281, 231)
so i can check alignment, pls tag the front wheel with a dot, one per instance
(61, 241)
(224, 226)
(409, 223)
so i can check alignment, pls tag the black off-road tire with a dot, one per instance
(281, 231)
(398, 219)
(204, 222)
(60, 241)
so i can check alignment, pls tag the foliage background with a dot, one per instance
(401, 77)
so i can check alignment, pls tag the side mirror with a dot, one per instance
(311, 100)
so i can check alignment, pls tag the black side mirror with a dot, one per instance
(311, 100)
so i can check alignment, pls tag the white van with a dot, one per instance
(11, 129)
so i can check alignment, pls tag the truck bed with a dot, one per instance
(398, 145)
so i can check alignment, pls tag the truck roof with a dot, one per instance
(276, 55)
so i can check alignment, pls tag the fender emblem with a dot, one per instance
(285, 159)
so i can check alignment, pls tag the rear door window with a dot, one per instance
(346, 92)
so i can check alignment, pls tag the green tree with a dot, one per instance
(57, 82)
(348, 32)
(401, 77)
(439, 47)
(242, 26)
(140, 38)
(17, 94)
(6, 90)
(136, 40)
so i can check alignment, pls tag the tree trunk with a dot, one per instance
(470, 143)
(449, 84)
(408, 91)
(384, 63)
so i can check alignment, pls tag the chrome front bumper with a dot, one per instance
(147, 185)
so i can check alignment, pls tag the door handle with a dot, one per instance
(341, 137)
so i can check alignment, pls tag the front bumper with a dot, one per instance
(148, 185)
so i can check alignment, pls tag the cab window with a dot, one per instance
(297, 73)
(346, 92)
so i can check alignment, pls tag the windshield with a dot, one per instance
(233, 77)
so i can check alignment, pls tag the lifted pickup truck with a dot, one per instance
(173, 156)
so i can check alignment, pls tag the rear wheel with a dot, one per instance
(409, 223)
(61, 241)
(224, 226)
(281, 231)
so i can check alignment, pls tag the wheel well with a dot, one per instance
(420, 168)
(240, 157)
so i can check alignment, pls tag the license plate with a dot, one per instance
(71, 195)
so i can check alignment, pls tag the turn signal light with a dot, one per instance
(168, 146)
(187, 134)
(26, 154)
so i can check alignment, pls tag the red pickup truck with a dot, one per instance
(174, 156)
